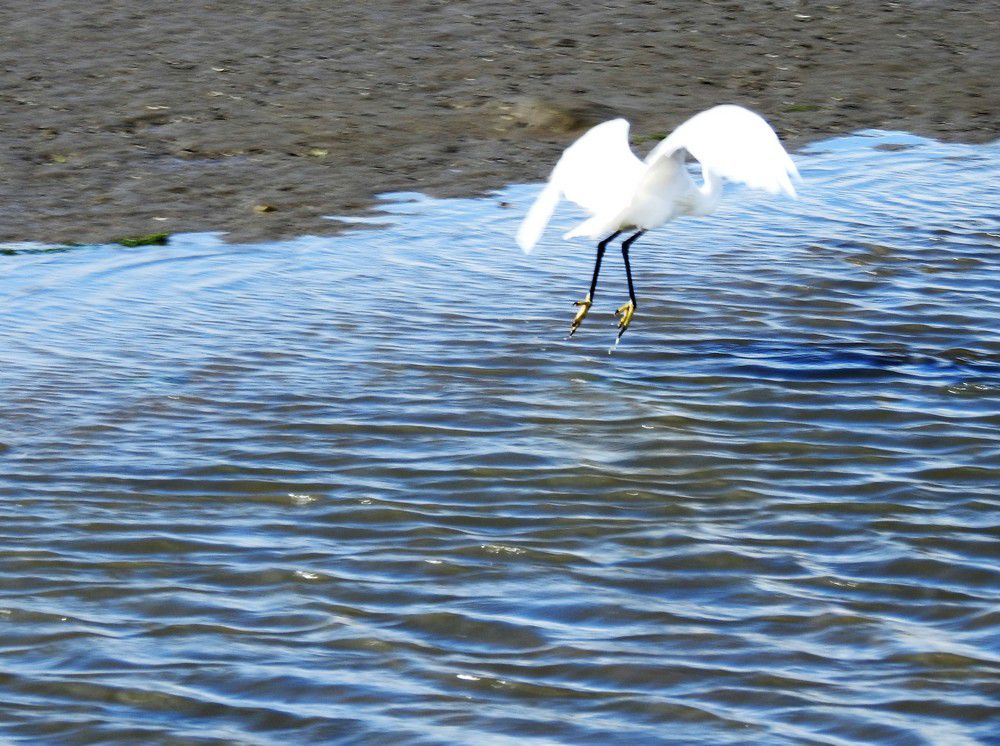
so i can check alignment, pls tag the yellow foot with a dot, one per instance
(625, 314)
(580, 315)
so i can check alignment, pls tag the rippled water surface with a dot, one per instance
(362, 488)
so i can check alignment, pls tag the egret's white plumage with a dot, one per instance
(600, 173)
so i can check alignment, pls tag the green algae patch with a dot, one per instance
(794, 108)
(150, 239)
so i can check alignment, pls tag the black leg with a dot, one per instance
(597, 263)
(625, 312)
(626, 244)
(586, 302)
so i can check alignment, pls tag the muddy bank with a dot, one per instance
(130, 118)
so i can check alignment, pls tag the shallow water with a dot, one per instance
(362, 488)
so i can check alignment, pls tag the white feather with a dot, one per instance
(537, 218)
(601, 174)
(735, 144)
(598, 172)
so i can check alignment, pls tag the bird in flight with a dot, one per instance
(601, 174)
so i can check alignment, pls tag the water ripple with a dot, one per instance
(363, 489)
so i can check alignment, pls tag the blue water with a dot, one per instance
(361, 488)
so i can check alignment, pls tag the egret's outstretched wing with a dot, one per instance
(597, 172)
(538, 217)
(736, 144)
(597, 168)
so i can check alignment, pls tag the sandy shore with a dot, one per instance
(125, 118)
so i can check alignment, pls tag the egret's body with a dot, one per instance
(601, 174)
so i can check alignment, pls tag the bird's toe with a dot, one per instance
(584, 307)
(624, 315)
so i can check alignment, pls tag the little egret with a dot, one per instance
(621, 193)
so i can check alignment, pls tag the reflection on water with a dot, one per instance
(361, 487)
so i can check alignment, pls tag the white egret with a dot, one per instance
(601, 174)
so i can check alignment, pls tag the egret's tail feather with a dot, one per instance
(597, 226)
(537, 218)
